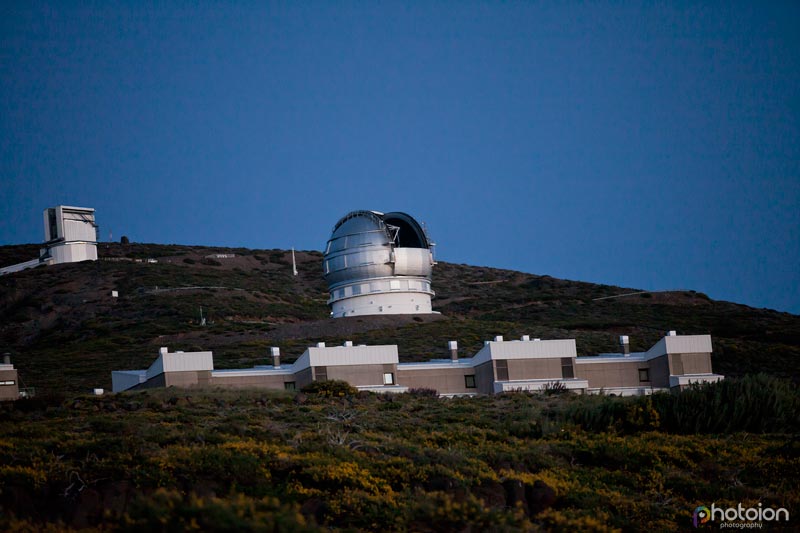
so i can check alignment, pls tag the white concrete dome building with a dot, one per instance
(378, 263)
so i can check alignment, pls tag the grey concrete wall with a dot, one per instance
(361, 375)
(303, 378)
(534, 369)
(444, 380)
(599, 375)
(156, 382)
(182, 379)
(266, 382)
(659, 372)
(484, 377)
(696, 363)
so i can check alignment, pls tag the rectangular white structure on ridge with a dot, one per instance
(680, 344)
(181, 362)
(70, 223)
(526, 350)
(348, 355)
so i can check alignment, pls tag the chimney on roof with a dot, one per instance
(453, 347)
(320, 345)
(672, 333)
(348, 344)
(623, 343)
(498, 338)
(163, 350)
(525, 338)
(276, 356)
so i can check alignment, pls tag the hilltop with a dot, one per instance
(66, 333)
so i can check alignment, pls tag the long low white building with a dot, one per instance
(499, 366)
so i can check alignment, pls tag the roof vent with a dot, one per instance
(672, 333)
(348, 344)
(498, 338)
(453, 347)
(525, 338)
(625, 345)
(320, 345)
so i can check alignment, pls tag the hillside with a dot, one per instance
(66, 333)
(338, 460)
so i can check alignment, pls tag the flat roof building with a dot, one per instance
(499, 366)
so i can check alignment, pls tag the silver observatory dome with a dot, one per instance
(378, 263)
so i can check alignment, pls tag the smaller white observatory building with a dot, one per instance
(70, 236)
(378, 263)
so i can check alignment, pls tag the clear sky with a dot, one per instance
(653, 145)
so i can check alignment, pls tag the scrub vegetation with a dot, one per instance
(334, 459)
(331, 458)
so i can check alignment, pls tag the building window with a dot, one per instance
(290, 385)
(388, 378)
(8, 382)
(322, 373)
(394, 285)
(469, 381)
(644, 374)
(567, 370)
(677, 364)
(501, 367)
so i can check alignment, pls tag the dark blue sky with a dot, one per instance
(652, 145)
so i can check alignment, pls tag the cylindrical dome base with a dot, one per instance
(378, 263)
(397, 303)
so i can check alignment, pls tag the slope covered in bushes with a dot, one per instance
(329, 458)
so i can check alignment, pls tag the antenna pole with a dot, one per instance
(294, 263)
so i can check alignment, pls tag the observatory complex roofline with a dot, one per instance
(499, 366)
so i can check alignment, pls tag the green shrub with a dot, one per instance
(755, 403)
(330, 389)
(423, 392)
(168, 510)
(553, 388)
